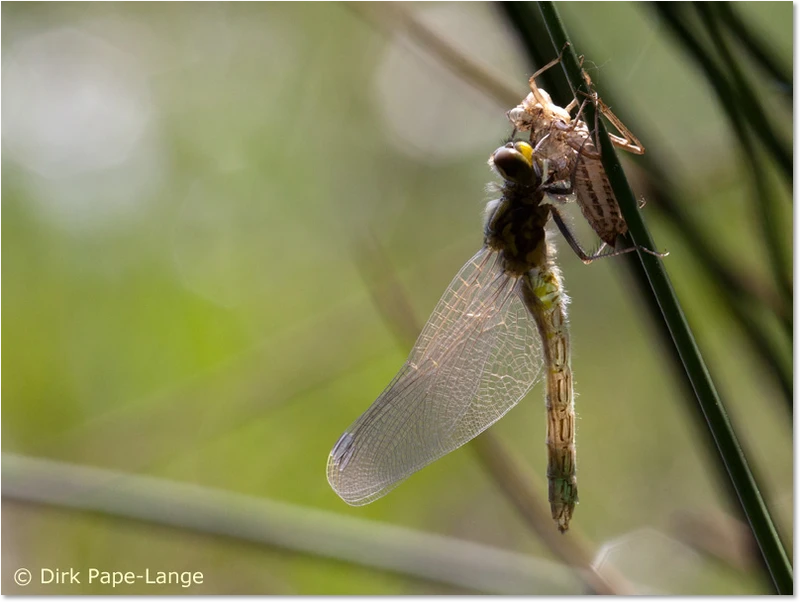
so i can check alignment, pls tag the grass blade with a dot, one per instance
(685, 347)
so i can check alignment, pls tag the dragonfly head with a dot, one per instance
(514, 162)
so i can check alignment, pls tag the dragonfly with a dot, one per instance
(566, 143)
(500, 328)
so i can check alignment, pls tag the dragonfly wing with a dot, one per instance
(477, 356)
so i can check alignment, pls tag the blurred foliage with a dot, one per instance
(184, 190)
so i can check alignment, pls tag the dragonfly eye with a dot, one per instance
(514, 162)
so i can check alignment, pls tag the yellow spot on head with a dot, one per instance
(525, 149)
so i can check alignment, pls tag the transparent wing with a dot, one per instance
(477, 356)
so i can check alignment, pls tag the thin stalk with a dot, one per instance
(741, 307)
(758, 50)
(662, 292)
(763, 196)
(729, 97)
(738, 290)
(744, 287)
(265, 522)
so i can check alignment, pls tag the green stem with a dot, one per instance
(763, 197)
(760, 52)
(716, 417)
(740, 291)
(279, 525)
(729, 97)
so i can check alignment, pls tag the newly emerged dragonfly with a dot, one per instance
(572, 155)
(500, 325)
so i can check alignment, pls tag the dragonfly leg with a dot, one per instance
(559, 190)
(588, 258)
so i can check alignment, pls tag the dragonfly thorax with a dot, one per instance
(515, 223)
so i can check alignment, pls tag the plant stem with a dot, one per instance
(713, 410)
(757, 49)
(730, 97)
(265, 522)
(742, 292)
(763, 199)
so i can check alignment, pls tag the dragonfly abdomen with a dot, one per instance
(545, 298)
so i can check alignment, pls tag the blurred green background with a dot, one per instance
(187, 189)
